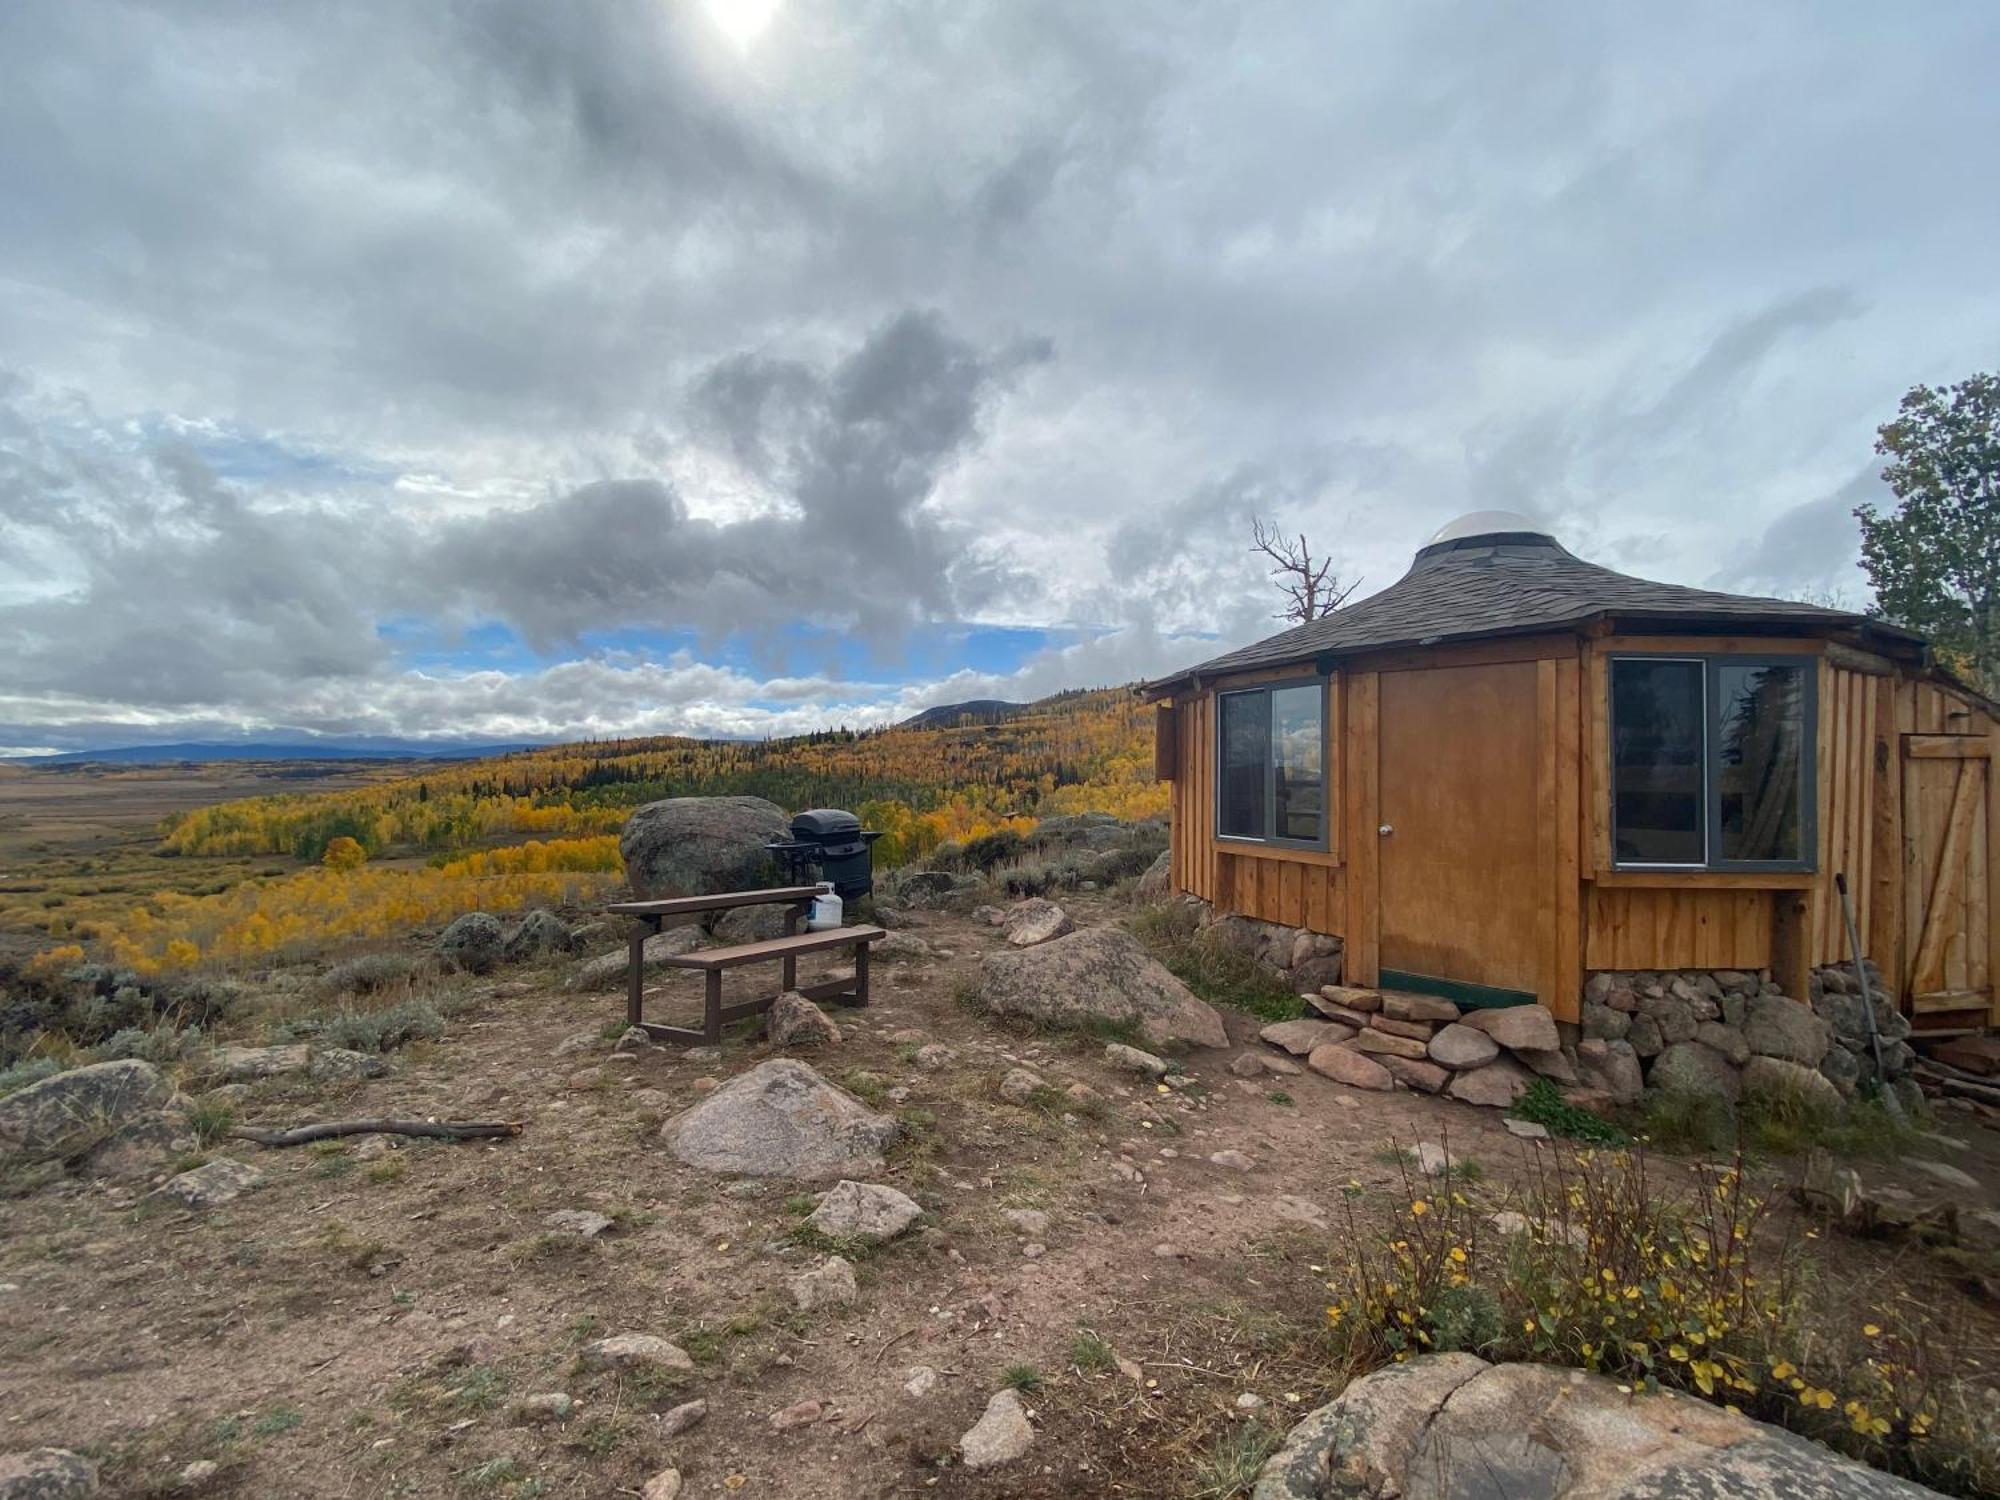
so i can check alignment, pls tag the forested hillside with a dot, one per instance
(1077, 752)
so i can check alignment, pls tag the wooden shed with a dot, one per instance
(1514, 768)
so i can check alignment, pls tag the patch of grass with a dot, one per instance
(276, 1422)
(1676, 1121)
(359, 1254)
(1221, 976)
(549, 1244)
(869, 1087)
(810, 1237)
(479, 1388)
(1279, 1096)
(1228, 1467)
(1125, 1029)
(584, 1329)
(1023, 1378)
(211, 1120)
(1543, 1105)
(598, 1439)
(1089, 1352)
(388, 1169)
(494, 1473)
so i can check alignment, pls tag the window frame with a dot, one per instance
(1270, 840)
(1711, 742)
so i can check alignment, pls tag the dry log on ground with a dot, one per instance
(450, 1130)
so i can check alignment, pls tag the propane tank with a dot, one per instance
(825, 912)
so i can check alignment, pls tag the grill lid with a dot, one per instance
(825, 824)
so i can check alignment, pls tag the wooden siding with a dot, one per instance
(1677, 929)
(1293, 892)
(1848, 705)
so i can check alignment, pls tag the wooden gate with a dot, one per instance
(1945, 894)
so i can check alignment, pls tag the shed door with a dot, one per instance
(1459, 881)
(1944, 872)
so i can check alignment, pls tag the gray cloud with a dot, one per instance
(1015, 317)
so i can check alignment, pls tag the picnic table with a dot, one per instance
(648, 917)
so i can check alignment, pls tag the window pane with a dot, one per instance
(1297, 744)
(1246, 757)
(1761, 738)
(1656, 751)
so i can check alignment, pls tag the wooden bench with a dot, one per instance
(649, 916)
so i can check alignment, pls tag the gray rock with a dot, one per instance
(1792, 1081)
(1344, 1065)
(1613, 1067)
(546, 1406)
(74, 1113)
(1944, 1172)
(677, 1420)
(250, 1064)
(780, 1119)
(47, 1474)
(1522, 1027)
(472, 943)
(1692, 1068)
(1602, 1023)
(1373, 1039)
(665, 1485)
(1316, 972)
(1674, 1014)
(608, 970)
(697, 846)
(1554, 1064)
(1450, 1427)
(1494, 1086)
(1842, 1069)
(1645, 1037)
(794, 1021)
(212, 1184)
(1727, 1040)
(1133, 1060)
(1000, 1436)
(1029, 1221)
(865, 1211)
(751, 924)
(1412, 1072)
(1402, 1005)
(581, 1222)
(537, 933)
(1300, 1037)
(1459, 1046)
(1020, 1085)
(345, 1065)
(829, 1284)
(1775, 1026)
(1099, 974)
(634, 1351)
(1155, 880)
(1036, 921)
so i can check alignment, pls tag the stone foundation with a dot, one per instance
(1301, 958)
(1711, 1031)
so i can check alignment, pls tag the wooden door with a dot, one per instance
(1945, 896)
(1461, 893)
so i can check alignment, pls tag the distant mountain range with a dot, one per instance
(976, 711)
(372, 749)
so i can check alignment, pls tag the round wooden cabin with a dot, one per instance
(1513, 769)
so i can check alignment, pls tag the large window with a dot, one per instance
(1271, 758)
(1712, 761)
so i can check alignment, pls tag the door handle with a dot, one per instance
(1386, 829)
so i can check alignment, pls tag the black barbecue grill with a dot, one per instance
(829, 844)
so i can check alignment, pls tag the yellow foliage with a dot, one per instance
(344, 853)
(52, 961)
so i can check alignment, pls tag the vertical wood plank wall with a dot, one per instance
(1589, 923)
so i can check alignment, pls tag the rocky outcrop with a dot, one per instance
(1098, 975)
(118, 1119)
(473, 943)
(696, 846)
(1453, 1425)
(781, 1119)
(1297, 957)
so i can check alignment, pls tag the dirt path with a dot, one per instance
(366, 1323)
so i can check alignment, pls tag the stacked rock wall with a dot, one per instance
(1301, 958)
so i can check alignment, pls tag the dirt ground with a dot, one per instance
(366, 1322)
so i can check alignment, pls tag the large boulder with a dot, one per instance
(1613, 1067)
(696, 846)
(1776, 1026)
(1696, 1069)
(86, 1110)
(1100, 974)
(1793, 1083)
(537, 933)
(1495, 1086)
(474, 943)
(1451, 1425)
(1154, 882)
(781, 1119)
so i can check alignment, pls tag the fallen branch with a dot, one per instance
(450, 1130)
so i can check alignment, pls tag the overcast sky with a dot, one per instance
(524, 369)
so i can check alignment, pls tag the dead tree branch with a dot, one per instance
(1311, 588)
(450, 1130)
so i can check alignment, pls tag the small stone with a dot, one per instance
(197, 1476)
(921, 1381)
(1249, 1401)
(547, 1406)
(665, 1485)
(1431, 1159)
(1300, 1037)
(1495, 1086)
(1401, 1005)
(935, 1056)
(831, 1284)
(1234, 1161)
(798, 1414)
(1246, 1064)
(794, 1021)
(575, 1042)
(1351, 997)
(1029, 1221)
(213, 1184)
(1527, 1130)
(1132, 1060)
(680, 1418)
(580, 1222)
(634, 1351)
(1372, 1040)
(1020, 1085)
(1036, 921)
(1000, 1436)
(867, 1211)
(632, 1039)
(1425, 1077)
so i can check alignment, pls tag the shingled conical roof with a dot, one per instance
(1494, 574)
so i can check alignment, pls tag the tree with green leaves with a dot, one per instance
(1935, 560)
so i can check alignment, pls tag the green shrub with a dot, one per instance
(990, 849)
(1221, 976)
(1544, 1105)
(29, 1070)
(381, 1030)
(159, 1045)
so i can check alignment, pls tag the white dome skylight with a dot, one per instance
(1486, 523)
